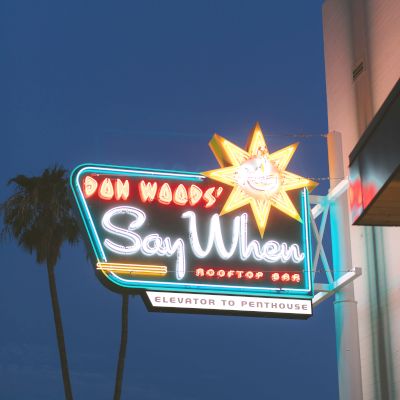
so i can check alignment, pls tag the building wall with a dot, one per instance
(368, 32)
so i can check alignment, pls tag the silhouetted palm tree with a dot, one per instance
(38, 215)
(122, 348)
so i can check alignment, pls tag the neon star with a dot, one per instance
(258, 178)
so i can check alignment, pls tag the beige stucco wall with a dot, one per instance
(368, 31)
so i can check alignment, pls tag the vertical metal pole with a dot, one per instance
(345, 306)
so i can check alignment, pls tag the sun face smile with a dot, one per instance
(258, 178)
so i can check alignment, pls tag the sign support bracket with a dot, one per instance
(321, 208)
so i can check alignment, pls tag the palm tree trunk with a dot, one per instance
(122, 348)
(59, 332)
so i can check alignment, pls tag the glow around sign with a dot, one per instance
(242, 229)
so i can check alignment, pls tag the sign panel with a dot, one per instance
(254, 306)
(240, 230)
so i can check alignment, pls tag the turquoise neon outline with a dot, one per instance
(175, 286)
(307, 245)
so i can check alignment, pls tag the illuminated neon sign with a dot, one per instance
(241, 230)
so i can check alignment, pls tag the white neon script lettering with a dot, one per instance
(151, 245)
(271, 251)
(214, 236)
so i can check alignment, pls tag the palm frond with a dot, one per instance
(39, 214)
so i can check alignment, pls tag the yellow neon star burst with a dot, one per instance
(258, 178)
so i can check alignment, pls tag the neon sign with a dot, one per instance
(230, 273)
(158, 231)
(258, 178)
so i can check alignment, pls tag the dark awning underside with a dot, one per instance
(375, 168)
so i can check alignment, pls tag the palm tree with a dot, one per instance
(122, 347)
(38, 215)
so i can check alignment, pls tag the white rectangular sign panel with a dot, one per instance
(301, 308)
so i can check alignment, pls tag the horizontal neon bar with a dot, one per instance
(133, 269)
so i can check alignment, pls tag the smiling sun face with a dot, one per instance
(258, 178)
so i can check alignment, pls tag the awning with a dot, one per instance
(375, 168)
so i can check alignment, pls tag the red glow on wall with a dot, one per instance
(221, 273)
(355, 194)
(360, 196)
(369, 192)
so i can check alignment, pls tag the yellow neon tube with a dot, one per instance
(133, 269)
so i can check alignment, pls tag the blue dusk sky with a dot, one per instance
(147, 83)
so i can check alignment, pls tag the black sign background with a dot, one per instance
(166, 220)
